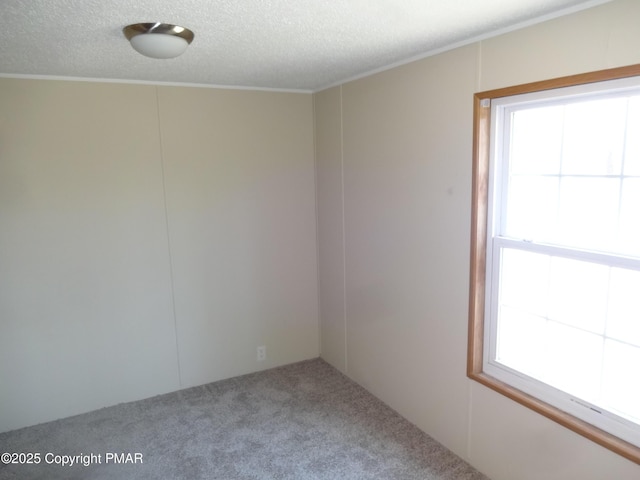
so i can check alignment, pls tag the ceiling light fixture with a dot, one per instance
(158, 40)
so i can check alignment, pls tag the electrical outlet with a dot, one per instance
(261, 353)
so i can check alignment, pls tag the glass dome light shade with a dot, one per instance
(158, 40)
(159, 45)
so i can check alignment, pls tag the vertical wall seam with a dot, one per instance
(169, 250)
(344, 239)
(469, 414)
(315, 183)
(479, 67)
(469, 383)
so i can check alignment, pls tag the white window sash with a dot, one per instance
(502, 109)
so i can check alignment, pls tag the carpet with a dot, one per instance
(304, 421)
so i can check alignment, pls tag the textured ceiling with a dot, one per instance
(281, 44)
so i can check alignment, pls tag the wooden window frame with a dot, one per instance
(479, 216)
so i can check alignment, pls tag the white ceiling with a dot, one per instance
(301, 45)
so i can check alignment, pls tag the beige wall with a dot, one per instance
(394, 181)
(150, 239)
(329, 180)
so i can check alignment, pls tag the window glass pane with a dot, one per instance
(632, 150)
(563, 293)
(629, 229)
(623, 319)
(621, 384)
(588, 212)
(576, 359)
(578, 294)
(536, 142)
(532, 208)
(521, 340)
(594, 134)
(524, 281)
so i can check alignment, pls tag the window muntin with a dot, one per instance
(562, 270)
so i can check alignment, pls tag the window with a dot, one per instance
(555, 260)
